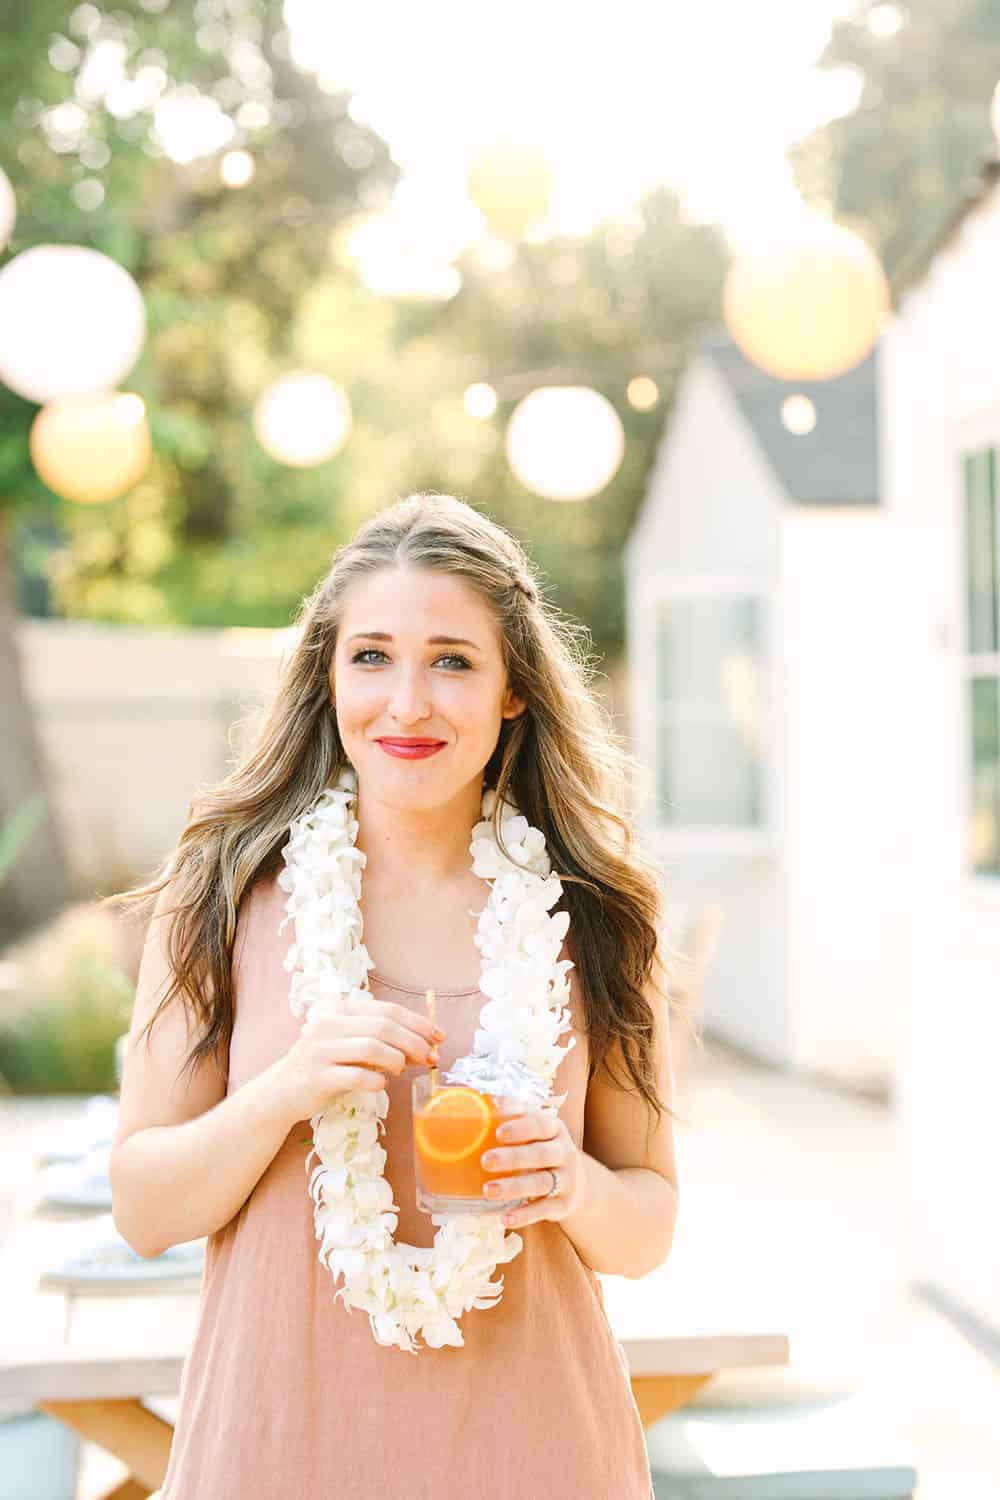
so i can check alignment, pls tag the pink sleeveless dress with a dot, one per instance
(285, 1394)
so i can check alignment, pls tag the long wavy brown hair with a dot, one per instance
(560, 761)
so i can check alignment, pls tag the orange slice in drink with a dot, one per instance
(454, 1124)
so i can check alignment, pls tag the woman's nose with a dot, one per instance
(409, 700)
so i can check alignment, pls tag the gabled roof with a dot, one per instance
(974, 192)
(834, 464)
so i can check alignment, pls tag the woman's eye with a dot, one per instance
(367, 651)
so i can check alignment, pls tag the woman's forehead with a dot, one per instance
(407, 601)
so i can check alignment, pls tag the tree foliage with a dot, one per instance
(242, 285)
(897, 165)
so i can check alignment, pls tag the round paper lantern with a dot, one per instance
(302, 419)
(510, 184)
(565, 442)
(798, 415)
(72, 323)
(480, 400)
(91, 448)
(8, 209)
(642, 393)
(811, 307)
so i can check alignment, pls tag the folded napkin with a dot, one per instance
(82, 1186)
(69, 1141)
(102, 1256)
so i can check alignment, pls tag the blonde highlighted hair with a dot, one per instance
(559, 761)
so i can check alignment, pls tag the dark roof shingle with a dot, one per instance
(834, 464)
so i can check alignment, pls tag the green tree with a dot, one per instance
(87, 169)
(242, 284)
(896, 166)
(625, 300)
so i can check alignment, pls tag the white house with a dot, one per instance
(764, 634)
(940, 401)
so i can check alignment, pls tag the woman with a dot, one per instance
(433, 686)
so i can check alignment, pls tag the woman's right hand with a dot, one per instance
(355, 1049)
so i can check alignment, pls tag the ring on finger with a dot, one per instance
(550, 1191)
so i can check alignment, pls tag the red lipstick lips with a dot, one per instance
(410, 749)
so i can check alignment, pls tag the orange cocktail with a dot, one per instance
(453, 1125)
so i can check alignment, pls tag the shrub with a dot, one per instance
(66, 1001)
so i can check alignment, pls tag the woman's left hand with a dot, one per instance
(542, 1141)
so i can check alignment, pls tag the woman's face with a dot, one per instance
(396, 681)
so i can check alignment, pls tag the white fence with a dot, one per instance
(132, 721)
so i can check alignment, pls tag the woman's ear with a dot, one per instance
(513, 705)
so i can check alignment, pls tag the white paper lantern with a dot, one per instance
(810, 307)
(91, 448)
(72, 323)
(565, 442)
(510, 182)
(302, 419)
(8, 209)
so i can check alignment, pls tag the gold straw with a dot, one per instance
(433, 1020)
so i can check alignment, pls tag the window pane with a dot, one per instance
(981, 550)
(701, 644)
(708, 775)
(984, 814)
(710, 702)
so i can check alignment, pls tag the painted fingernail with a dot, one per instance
(492, 1190)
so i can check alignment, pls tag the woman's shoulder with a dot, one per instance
(258, 897)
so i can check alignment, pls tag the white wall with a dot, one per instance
(809, 968)
(132, 722)
(713, 508)
(844, 639)
(942, 395)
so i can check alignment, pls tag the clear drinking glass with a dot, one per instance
(453, 1125)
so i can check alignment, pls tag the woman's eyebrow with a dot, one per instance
(432, 640)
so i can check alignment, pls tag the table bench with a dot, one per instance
(107, 1361)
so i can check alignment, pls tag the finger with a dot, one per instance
(530, 1158)
(535, 1125)
(414, 1044)
(409, 1020)
(516, 1218)
(528, 1185)
(368, 1052)
(531, 1213)
(414, 1020)
(383, 1029)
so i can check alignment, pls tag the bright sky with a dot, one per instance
(706, 95)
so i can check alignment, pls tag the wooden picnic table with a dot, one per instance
(108, 1362)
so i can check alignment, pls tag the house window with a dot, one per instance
(982, 660)
(709, 710)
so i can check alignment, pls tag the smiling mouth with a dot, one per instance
(408, 744)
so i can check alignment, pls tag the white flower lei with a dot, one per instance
(410, 1289)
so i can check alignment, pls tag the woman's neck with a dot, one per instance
(405, 846)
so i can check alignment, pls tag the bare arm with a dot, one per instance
(186, 1156)
(624, 1225)
(171, 1183)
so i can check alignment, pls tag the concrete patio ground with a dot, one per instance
(790, 1206)
(791, 1199)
